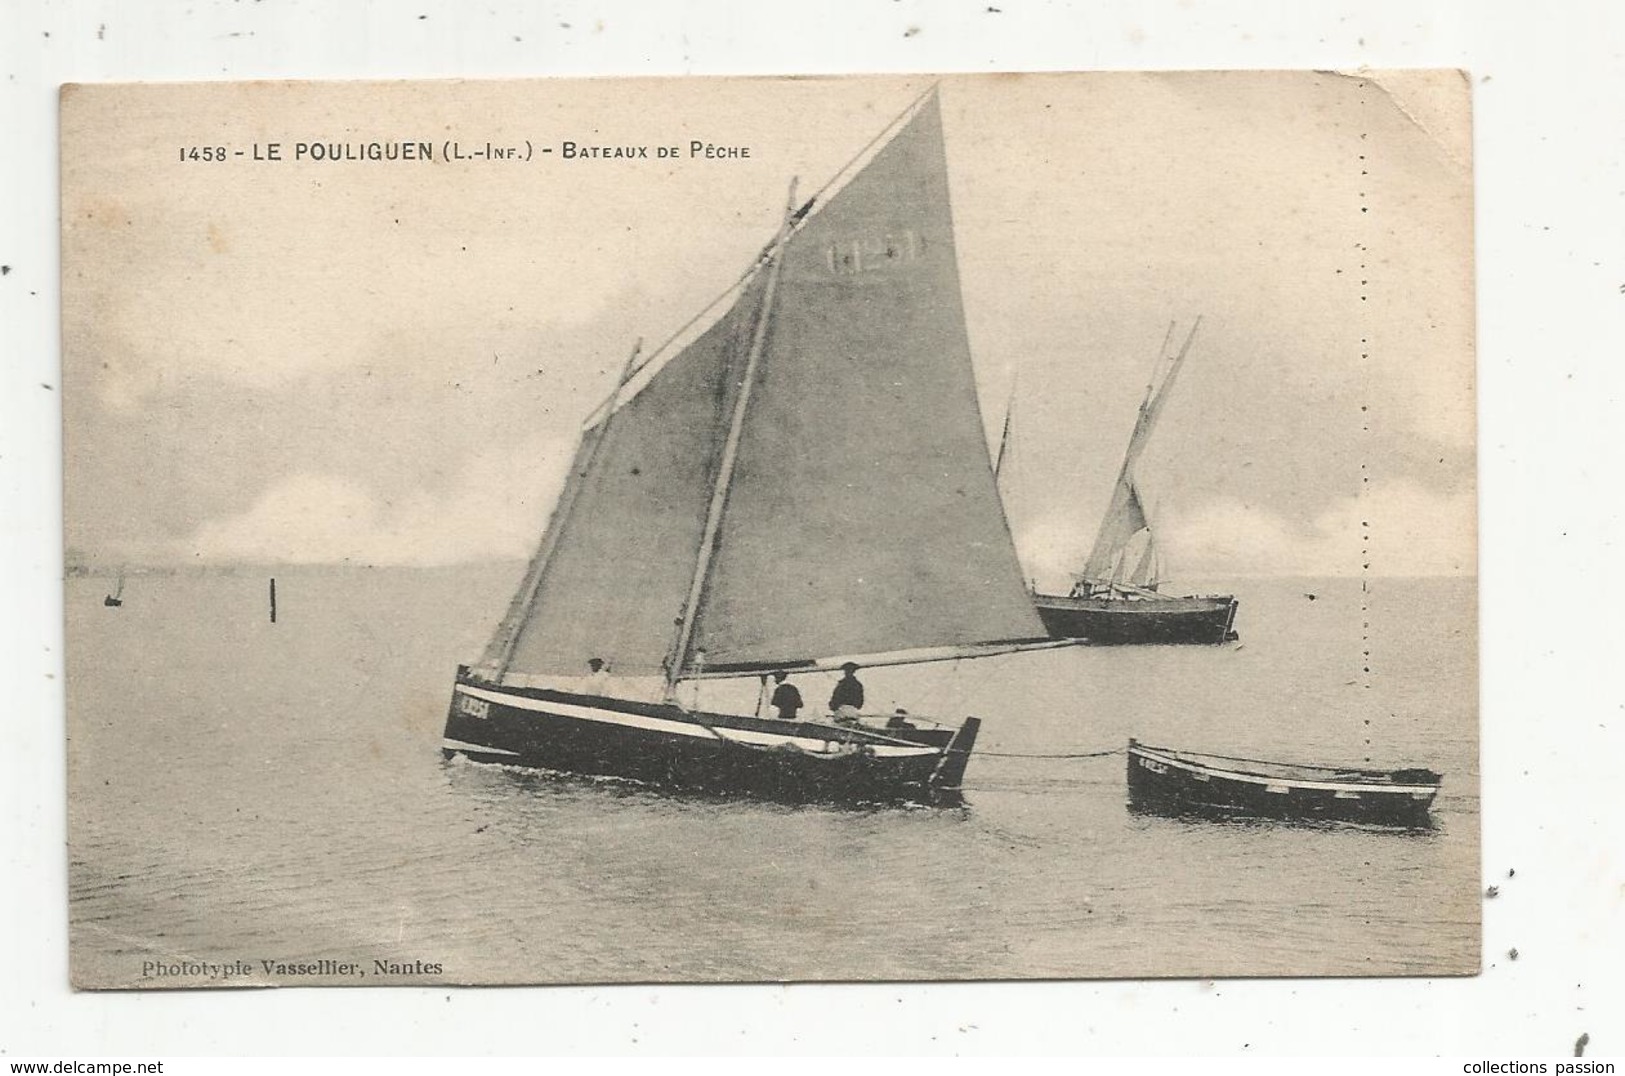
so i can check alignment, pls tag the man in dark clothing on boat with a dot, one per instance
(786, 699)
(846, 701)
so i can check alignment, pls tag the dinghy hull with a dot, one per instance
(1181, 783)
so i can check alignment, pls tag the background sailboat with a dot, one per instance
(803, 484)
(1116, 598)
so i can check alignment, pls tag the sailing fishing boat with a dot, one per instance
(803, 485)
(1116, 599)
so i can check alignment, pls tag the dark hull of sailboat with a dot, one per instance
(724, 754)
(1121, 621)
(1181, 784)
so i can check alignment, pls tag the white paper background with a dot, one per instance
(1549, 83)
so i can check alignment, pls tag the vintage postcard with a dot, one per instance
(696, 530)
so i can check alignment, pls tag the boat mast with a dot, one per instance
(730, 451)
(1162, 353)
(1004, 436)
(1149, 406)
(1153, 406)
(561, 513)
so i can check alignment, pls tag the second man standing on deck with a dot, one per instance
(846, 701)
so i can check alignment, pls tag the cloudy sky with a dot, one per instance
(388, 362)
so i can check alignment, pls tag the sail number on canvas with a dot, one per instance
(869, 253)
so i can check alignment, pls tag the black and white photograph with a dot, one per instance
(820, 529)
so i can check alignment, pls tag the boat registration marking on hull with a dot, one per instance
(680, 728)
(469, 706)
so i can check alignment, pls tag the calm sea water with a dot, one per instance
(247, 791)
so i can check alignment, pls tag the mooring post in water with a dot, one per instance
(273, 599)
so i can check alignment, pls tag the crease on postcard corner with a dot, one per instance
(1437, 102)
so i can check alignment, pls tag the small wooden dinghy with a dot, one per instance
(1165, 781)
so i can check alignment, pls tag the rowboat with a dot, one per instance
(1188, 783)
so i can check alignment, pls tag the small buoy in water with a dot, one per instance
(1311, 597)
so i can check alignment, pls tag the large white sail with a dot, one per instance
(859, 514)
(863, 515)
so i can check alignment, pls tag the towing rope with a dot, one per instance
(1019, 754)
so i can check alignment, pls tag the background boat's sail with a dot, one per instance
(1125, 519)
(1147, 570)
(1111, 560)
(861, 515)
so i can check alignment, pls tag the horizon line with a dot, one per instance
(114, 568)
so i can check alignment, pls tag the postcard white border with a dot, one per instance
(1550, 303)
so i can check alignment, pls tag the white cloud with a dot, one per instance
(1399, 529)
(496, 510)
